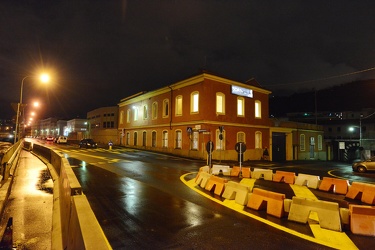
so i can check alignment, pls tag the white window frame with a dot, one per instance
(135, 113)
(258, 109)
(240, 106)
(258, 139)
(220, 105)
(178, 106)
(239, 135)
(145, 112)
(194, 102)
(154, 110)
(128, 115)
(178, 141)
(165, 108)
(165, 139)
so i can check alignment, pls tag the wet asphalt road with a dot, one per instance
(141, 203)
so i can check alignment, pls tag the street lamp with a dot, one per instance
(43, 78)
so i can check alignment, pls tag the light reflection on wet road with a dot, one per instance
(143, 204)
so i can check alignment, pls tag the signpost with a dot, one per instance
(240, 149)
(209, 148)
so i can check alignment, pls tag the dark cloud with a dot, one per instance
(102, 51)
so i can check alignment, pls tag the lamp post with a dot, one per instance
(360, 130)
(44, 78)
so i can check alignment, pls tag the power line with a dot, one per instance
(323, 79)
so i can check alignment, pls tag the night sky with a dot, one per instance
(99, 52)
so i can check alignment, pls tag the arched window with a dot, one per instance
(145, 112)
(165, 139)
(153, 139)
(135, 138)
(144, 138)
(258, 139)
(194, 102)
(128, 114)
(178, 139)
(241, 137)
(154, 110)
(165, 108)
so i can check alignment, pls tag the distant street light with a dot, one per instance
(43, 78)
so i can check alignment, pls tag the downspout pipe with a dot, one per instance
(170, 108)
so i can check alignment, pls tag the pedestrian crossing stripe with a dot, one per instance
(329, 238)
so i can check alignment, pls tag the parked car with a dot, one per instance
(49, 138)
(365, 165)
(61, 139)
(87, 143)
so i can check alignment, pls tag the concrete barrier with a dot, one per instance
(202, 179)
(338, 186)
(260, 173)
(283, 176)
(246, 172)
(363, 191)
(328, 212)
(223, 169)
(84, 228)
(261, 199)
(218, 183)
(311, 181)
(362, 220)
(73, 223)
(236, 191)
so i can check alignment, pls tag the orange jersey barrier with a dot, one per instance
(260, 198)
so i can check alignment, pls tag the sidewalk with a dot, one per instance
(28, 207)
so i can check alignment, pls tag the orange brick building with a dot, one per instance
(181, 118)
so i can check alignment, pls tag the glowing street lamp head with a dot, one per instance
(44, 78)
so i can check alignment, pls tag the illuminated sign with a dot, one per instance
(242, 91)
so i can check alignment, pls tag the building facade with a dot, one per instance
(347, 134)
(182, 118)
(103, 124)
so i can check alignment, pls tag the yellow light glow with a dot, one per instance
(44, 78)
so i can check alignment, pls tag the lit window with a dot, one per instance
(121, 117)
(135, 113)
(258, 109)
(220, 103)
(240, 106)
(194, 102)
(179, 105)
